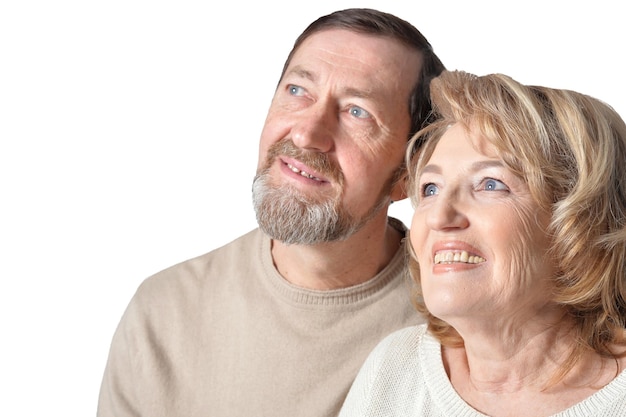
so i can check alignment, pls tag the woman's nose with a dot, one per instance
(447, 213)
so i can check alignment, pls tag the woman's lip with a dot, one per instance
(457, 267)
(455, 246)
(455, 256)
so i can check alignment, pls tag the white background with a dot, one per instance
(128, 143)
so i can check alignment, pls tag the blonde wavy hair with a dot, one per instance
(571, 150)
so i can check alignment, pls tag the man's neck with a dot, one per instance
(340, 264)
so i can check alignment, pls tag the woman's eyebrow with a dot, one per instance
(476, 166)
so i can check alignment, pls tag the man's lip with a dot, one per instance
(294, 163)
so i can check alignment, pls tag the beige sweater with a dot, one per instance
(224, 335)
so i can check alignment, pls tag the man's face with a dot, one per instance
(334, 137)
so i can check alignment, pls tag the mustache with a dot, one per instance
(318, 161)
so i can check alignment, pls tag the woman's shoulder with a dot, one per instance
(407, 335)
(391, 375)
(401, 344)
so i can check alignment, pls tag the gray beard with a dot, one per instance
(286, 215)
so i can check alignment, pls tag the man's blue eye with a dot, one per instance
(359, 112)
(295, 90)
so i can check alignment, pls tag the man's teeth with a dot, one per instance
(304, 174)
(461, 256)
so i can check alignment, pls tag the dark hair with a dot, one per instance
(374, 22)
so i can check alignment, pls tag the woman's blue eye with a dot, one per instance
(429, 190)
(359, 112)
(494, 185)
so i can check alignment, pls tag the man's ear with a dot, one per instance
(399, 189)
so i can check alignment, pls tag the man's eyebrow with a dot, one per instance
(354, 92)
(299, 71)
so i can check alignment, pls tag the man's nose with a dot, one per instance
(315, 127)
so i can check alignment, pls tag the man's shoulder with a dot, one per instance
(213, 265)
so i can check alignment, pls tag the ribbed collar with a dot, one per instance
(365, 292)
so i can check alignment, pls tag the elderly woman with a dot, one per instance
(519, 246)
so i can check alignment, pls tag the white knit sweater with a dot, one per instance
(404, 376)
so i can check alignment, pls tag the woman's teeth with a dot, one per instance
(461, 256)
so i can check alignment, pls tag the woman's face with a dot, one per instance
(479, 237)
